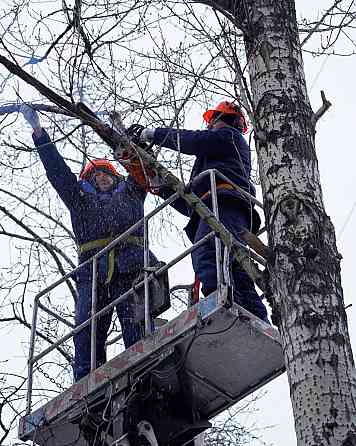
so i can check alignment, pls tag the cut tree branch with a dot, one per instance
(323, 109)
(15, 108)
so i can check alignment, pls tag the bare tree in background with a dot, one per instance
(161, 63)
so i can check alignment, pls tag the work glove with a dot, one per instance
(140, 134)
(30, 115)
(134, 133)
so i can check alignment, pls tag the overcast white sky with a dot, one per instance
(337, 160)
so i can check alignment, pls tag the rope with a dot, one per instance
(347, 220)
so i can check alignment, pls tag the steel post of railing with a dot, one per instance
(214, 199)
(226, 266)
(77, 329)
(31, 356)
(108, 247)
(227, 180)
(242, 191)
(33, 359)
(80, 327)
(146, 260)
(93, 316)
(120, 299)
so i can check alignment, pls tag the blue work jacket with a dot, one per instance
(222, 149)
(96, 215)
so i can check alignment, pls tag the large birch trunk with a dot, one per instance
(305, 278)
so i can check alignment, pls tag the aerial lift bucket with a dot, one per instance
(224, 351)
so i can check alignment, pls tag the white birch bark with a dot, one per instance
(305, 278)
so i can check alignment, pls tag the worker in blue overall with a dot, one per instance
(221, 147)
(102, 205)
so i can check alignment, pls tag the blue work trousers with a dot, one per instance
(131, 331)
(234, 219)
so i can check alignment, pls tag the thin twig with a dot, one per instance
(320, 22)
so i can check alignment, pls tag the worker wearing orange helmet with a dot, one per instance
(222, 147)
(102, 205)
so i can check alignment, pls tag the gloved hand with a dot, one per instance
(31, 116)
(134, 133)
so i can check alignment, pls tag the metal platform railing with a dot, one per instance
(222, 278)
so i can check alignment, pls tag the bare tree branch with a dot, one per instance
(322, 110)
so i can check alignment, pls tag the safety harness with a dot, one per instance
(103, 242)
(219, 186)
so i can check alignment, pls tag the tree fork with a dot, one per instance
(305, 278)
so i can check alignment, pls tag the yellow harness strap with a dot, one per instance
(226, 186)
(102, 242)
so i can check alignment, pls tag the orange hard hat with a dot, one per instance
(98, 165)
(225, 108)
